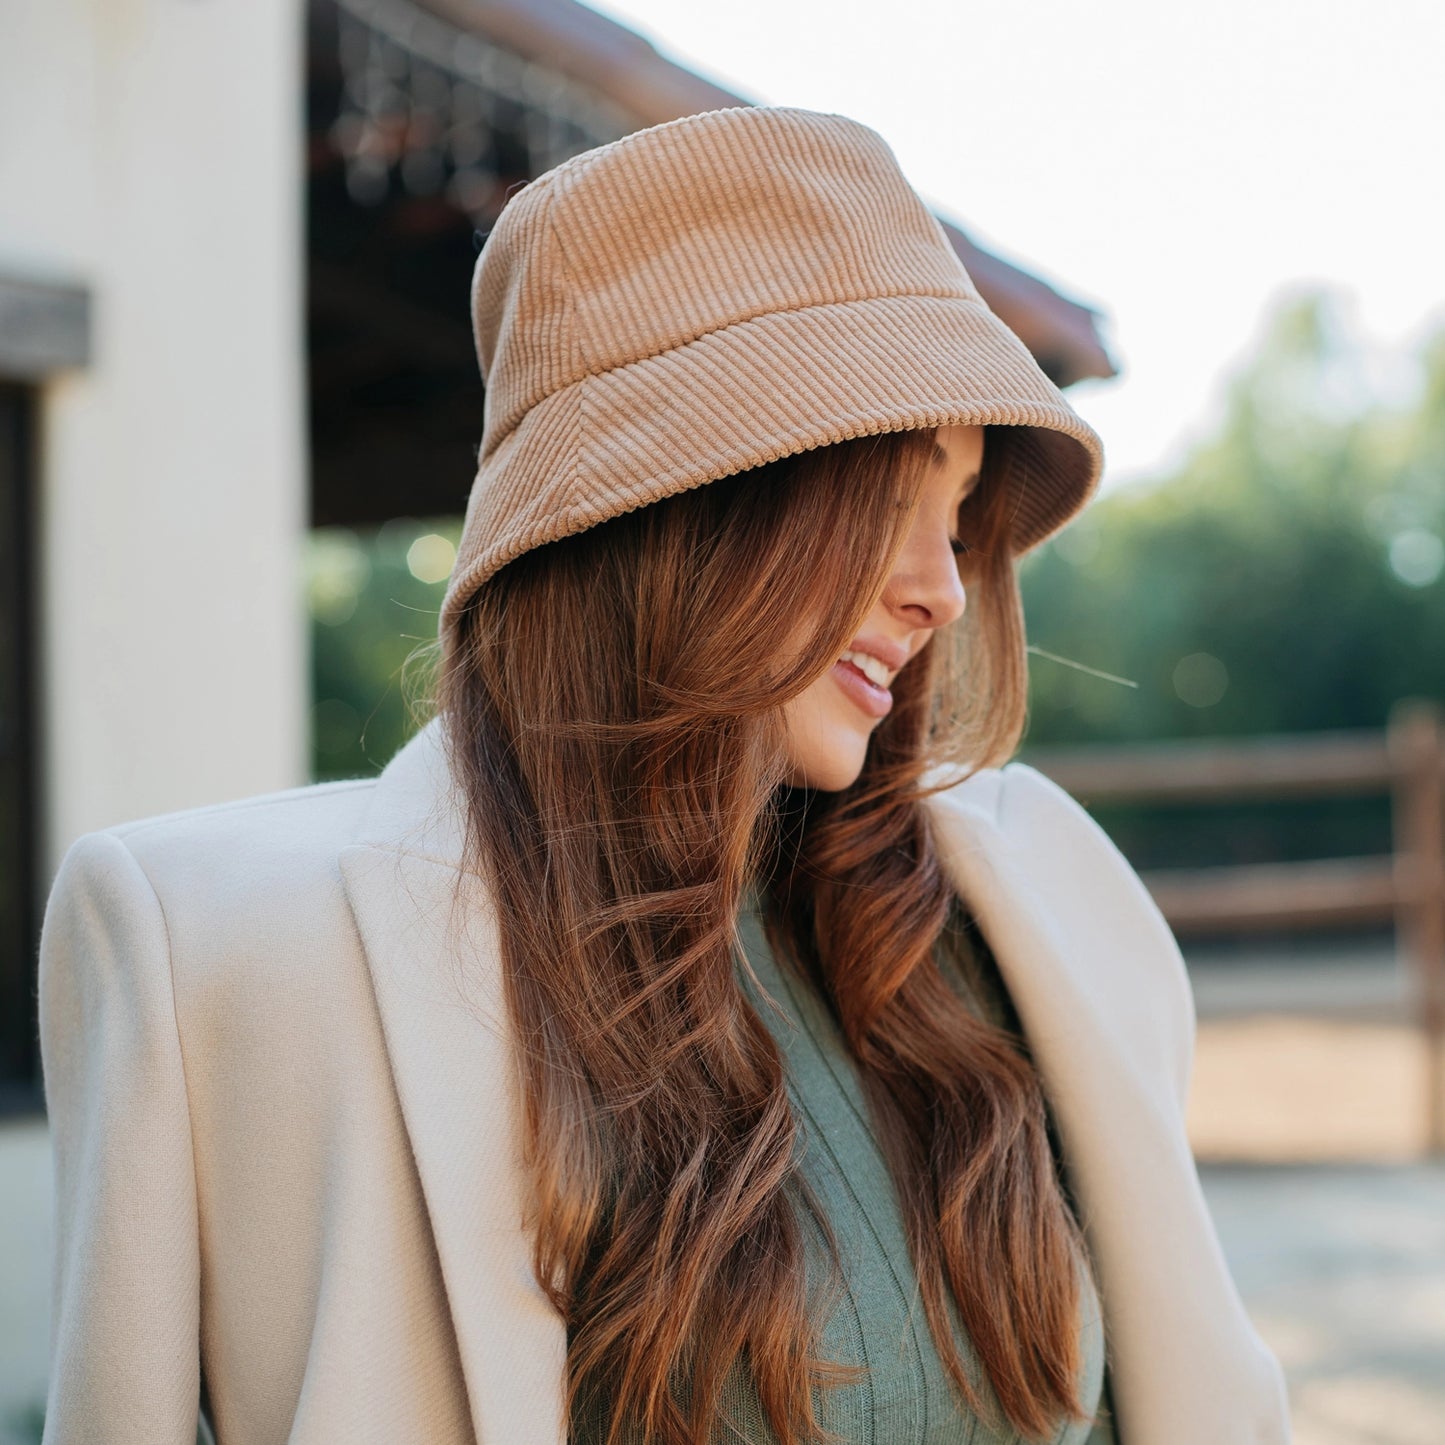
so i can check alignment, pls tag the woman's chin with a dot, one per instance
(828, 739)
(830, 769)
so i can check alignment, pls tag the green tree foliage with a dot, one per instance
(1290, 577)
(374, 599)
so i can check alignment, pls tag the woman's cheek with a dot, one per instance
(827, 737)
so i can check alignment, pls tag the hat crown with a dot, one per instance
(671, 233)
(715, 293)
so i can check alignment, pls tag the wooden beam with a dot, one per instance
(617, 63)
(44, 328)
(1416, 744)
(1221, 770)
(1332, 891)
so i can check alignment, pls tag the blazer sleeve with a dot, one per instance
(126, 1304)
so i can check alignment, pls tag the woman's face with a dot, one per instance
(829, 724)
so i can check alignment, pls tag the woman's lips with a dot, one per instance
(872, 699)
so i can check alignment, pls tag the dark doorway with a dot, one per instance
(417, 132)
(19, 908)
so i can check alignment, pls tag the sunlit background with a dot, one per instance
(239, 410)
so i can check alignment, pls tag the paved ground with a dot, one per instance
(1308, 1114)
(1342, 1269)
(1308, 1055)
(1293, 1088)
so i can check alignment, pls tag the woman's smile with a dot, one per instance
(864, 674)
(873, 698)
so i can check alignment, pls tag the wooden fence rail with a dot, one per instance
(1405, 762)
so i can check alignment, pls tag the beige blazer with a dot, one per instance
(285, 1123)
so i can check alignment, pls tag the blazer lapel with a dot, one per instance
(1104, 1000)
(432, 955)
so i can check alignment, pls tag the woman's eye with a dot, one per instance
(959, 546)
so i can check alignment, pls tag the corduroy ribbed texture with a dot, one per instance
(714, 293)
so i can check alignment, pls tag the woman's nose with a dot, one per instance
(925, 588)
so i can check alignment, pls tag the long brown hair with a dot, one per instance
(613, 703)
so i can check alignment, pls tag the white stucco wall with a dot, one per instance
(151, 152)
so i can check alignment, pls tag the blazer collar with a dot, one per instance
(429, 934)
(1100, 990)
(1105, 1003)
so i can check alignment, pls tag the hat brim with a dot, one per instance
(768, 387)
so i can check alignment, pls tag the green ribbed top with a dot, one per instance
(877, 1321)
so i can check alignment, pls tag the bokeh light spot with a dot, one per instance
(430, 558)
(1417, 557)
(337, 568)
(1200, 679)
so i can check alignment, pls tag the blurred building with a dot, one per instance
(235, 246)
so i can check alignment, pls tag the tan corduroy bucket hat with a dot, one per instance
(716, 292)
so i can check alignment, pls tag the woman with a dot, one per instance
(693, 1034)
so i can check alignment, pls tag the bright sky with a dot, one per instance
(1177, 165)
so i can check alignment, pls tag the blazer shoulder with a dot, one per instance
(310, 821)
(1021, 839)
(1064, 839)
(1017, 799)
(308, 806)
(1097, 889)
(1032, 803)
(235, 878)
